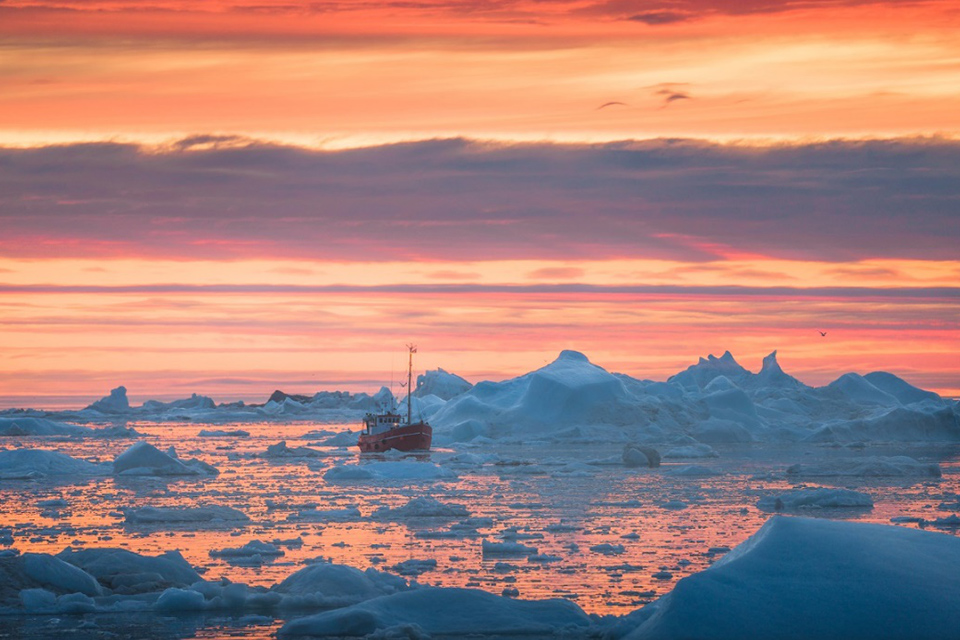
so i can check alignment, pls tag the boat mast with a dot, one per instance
(413, 349)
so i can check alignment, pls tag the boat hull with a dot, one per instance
(408, 437)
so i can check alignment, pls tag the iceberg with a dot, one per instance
(144, 459)
(800, 578)
(449, 612)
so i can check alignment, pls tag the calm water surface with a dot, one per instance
(560, 510)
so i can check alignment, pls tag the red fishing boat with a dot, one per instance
(383, 431)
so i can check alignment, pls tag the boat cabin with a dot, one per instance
(374, 423)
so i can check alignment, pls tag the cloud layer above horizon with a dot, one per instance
(252, 193)
(457, 199)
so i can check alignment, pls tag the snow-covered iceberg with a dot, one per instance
(144, 459)
(800, 578)
(38, 463)
(447, 612)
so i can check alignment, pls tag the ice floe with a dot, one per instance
(867, 467)
(144, 459)
(159, 516)
(38, 463)
(448, 612)
(786, 582)
(823, 498)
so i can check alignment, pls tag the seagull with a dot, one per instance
(612, 104)
(823, 334)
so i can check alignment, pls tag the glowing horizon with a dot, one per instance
(206, 197)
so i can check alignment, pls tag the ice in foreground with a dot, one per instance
(811, 578)
(451, 611)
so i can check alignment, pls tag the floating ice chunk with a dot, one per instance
(144, 459)
(220, 433)
(543, 558)
(116, 402)
(75, 603)
(281, 450)
(575, 470)
(607, 549)
(414, 567)
(342, 439)
(38, 601)
(252, 548)
(867, 467)
(347, 514)
(333, 585)
(348, 472)
(175, 600)
(55, 574)
(36, 463)
(815, 499)
(638, 456)
(506, 549)
(390, 470)
(784, 582)
(694, 471)
(28, 426)
(422, 507)
(447, 612)
(185, 515)
(127, 573)
(949, 522)
(692, 451)
(674, 505)
(906, 519)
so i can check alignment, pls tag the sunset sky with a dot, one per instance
(230, 197)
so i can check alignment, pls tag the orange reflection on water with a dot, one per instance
(559, 510)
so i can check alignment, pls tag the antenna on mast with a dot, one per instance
(412, 348)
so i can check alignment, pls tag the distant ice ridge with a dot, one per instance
(713, 401)
(328, 406)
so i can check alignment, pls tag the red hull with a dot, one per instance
(409, 437)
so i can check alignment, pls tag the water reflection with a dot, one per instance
(608, 537)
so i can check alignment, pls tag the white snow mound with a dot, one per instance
(449, 612)
(800, 578)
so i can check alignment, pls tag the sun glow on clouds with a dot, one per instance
(745, 272)
(162, 326)
(348, 76)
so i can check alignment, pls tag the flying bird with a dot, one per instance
(823, 334)
(612, 104)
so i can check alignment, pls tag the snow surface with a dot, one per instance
(183, 515)
(442, 384)
(398, 470)
(867, 467)
(811, 578)
(37, 463)
(794, 578)
(823, 498)
(451, 611)
(422, 507)
(571, 399)
(144, 459)
(714, 401)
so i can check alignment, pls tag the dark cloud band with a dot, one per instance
(457, 199)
